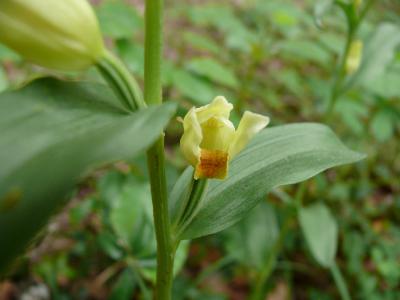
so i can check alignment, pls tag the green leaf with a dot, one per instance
(132, 54)
(214, 71)
(124, 286)
(321, 232)
(378, 52)
(196, 89)
(277, 156)
(201, 42)
(303, 50)
(321, 8)
(351, 112)
(250, 241)
(118, 20)
(383, 125)
(386, 85)
(132, 219)
(53, 133)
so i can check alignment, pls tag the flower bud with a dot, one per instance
(357, 4)
(354, 56)
(210, 140)
(57, 34)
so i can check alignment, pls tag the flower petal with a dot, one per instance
(249, 125)
(219, 107)
(191, 138)
(217, 134)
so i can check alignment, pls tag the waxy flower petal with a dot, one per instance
(249, 126)
(210, 140)
(192, 137)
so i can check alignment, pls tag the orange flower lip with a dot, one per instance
(213, 164)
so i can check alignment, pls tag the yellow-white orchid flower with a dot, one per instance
(210, 140)
(57, 34)
(354, 57)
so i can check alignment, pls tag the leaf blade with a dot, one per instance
(45, 156)
(321, 233)
(278, 156)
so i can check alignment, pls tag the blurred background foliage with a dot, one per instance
(272, 57)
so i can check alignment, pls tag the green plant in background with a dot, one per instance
(71, 128)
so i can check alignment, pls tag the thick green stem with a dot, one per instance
(165, 247)
(155, 155)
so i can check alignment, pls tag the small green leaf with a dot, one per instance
(214, 71)
(192, 87)
(201, 42)
(321, 8)
(250, 241)
(383, 125)
(118, 20)
(132, 219)
(386, 85)
(378, 52)
(352, 112)
(321, 232)
(53, 133)
(124, 286)
(304, 50)
(132, 54)
(277, 156)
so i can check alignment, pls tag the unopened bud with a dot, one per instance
(57, 34)
(357, 4)
(354, 57)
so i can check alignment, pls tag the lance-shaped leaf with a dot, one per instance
(277, 156)
(321, 232)
(52, 133)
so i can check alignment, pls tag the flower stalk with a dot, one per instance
(155, 155)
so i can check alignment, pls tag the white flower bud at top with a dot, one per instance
(57, 34)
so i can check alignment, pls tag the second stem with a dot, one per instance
(155, 155)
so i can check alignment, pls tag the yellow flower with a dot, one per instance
(353, 59)
(357, 4)
(57, 34)
(210, 140)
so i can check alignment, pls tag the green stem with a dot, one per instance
(340, 74)
(121, 81)
(155, 155)
(340, 282)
